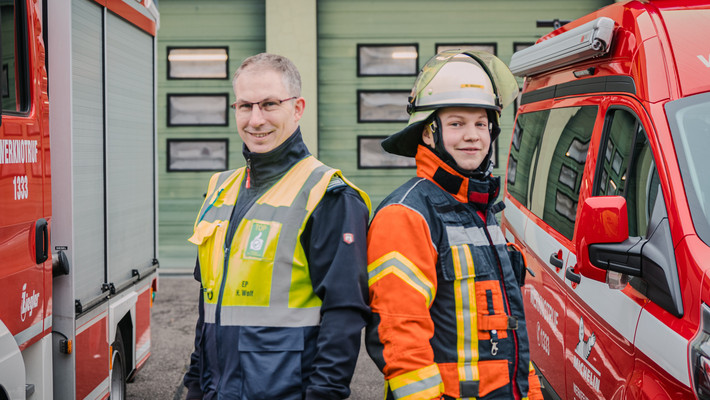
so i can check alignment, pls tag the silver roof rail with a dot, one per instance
(590, 40)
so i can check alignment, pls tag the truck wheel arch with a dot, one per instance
(12, 380)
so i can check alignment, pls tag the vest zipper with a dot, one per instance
(248, 183)
(238, 212)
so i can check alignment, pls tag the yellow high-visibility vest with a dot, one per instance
(268, 282)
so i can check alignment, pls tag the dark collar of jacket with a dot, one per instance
(267, 167)
(479, 193)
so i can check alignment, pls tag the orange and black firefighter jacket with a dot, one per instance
(448, 319)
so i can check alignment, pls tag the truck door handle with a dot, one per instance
(556, 260)
(41, 241)
(573, 276)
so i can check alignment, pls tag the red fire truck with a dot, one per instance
(606, 194)
(78, 239)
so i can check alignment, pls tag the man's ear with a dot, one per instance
(300, 107)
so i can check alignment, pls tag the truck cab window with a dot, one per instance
(628, 169)
(15, 89)
(547, 161)
(526, 142)
(563, 155)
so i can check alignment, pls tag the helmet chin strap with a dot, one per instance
(486, 166)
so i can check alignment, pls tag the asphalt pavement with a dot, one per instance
(172, 334)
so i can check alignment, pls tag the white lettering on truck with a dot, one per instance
(704, 60)
(14, 151)
(578, 392)
(20, 185)
(29, 302)
(548, 313)
(588, 373)
(543, 339)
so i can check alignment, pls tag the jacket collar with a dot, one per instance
(480, 193)
(266, 167)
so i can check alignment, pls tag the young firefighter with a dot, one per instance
(448, 319)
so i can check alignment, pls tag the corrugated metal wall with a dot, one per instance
(113, 147)
(88, 114)
(239, 25)
(342, 25)
(130, 155)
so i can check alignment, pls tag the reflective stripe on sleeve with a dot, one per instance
(397, 264)
(424, 383)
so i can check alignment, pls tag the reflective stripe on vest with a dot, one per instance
(470, 320)
(268, 282)
(466, 312)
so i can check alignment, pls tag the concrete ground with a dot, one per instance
(172, 333)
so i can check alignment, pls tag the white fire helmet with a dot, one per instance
(454, 78)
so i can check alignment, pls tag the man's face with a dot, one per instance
(264, 128)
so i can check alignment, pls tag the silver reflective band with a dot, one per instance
(406, 270)
(468, 331)
(497, 236)
(417, 387)
(263, 316)
(209, 213)
(459, 235)
(29, 333)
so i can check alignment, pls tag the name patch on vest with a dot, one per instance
(251, 269)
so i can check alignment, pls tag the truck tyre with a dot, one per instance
(118, 370)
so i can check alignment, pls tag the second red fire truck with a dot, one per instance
(78, 238)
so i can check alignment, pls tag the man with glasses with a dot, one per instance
(281, 257)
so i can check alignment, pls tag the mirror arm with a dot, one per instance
(624, 257)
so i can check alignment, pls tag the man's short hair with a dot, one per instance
(289, 72)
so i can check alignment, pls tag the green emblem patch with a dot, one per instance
(257, 240)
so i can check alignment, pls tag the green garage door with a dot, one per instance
(239, 27)
(343, 25)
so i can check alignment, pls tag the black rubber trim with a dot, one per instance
(602, 84)
(548, 393)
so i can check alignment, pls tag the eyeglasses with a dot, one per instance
(268, 105)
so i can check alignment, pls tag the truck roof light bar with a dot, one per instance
(587, 41)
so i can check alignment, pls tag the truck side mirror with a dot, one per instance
(602, 241)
